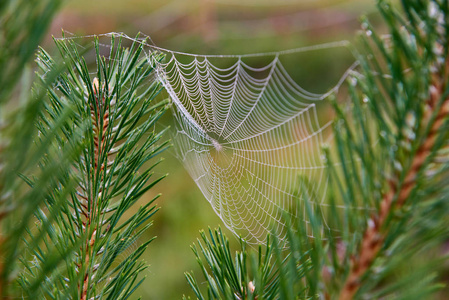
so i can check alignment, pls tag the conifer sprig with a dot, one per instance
(117, 115)
(421, 123)
(231, 276)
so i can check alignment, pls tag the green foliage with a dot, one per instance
(389, 169)
(76, 154)
(116, 114)
(239, 277)
(23, 23)
(19, 203)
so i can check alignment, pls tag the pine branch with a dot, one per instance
(247, 276)
(116, 113)
(399, 192)
(100, 126)
(404, 185)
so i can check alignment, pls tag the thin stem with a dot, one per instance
(91, 211)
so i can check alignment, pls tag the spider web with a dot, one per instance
(246, 134)
(249, 136)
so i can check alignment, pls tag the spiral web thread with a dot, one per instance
(246, 135)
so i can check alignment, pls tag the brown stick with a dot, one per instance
(374, 236)
(89, 246)
(98, 143)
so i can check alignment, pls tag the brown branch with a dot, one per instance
(91, 209)
(89, 249)
(375, 234)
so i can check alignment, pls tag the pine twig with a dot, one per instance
(99, 138)
(376, 231)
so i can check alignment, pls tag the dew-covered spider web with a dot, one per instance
(248, 135)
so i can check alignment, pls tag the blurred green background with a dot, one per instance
(213, 27)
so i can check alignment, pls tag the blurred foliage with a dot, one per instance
(22, 26)
(219, 27)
